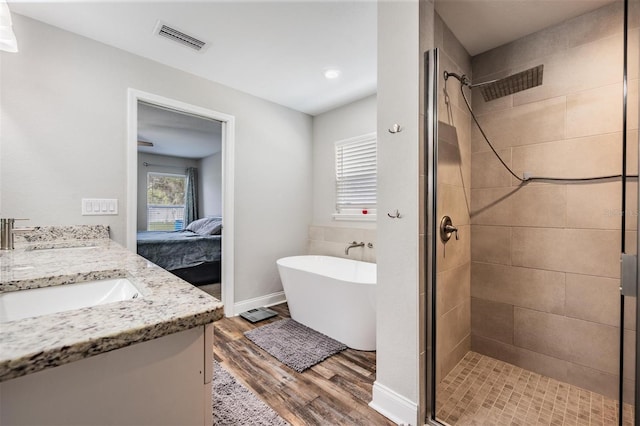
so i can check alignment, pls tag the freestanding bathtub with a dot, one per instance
(334, 296)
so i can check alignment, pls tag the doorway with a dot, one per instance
(136, 98)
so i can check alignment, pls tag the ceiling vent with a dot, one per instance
(181, 37)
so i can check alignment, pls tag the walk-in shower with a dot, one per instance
(531, 155)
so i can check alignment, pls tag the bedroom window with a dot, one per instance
(356, 178)
(165, 201)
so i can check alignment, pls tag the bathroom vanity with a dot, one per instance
(143, 358)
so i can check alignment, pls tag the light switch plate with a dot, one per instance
(99, 206)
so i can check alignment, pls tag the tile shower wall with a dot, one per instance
(332, 241)
(545, 257)
(453, 303)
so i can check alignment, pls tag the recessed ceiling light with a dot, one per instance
(331, 73)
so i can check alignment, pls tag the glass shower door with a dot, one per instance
(630, 220)
(430, 150)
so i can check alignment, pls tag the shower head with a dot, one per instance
(514, 83)
(495, 89)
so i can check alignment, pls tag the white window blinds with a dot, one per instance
(356, 174)
(165, 201)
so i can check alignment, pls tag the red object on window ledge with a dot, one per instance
(365, 211)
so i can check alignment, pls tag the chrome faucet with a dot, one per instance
(8, 230)
(351, 245)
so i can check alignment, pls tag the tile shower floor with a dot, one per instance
(484, 391)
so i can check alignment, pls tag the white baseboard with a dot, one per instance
(257, 302)
(393, 406)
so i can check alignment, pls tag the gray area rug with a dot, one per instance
(294, 344)
(234, 404)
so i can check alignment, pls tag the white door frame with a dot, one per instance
(228, 132)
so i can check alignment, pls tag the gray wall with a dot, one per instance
(397, 375)
(355, 119)
(163, 160)
(327, 236)
(64, 118)
(210, 185)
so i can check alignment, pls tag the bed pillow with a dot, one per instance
(206, 226)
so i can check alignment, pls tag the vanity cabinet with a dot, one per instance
(164, 381)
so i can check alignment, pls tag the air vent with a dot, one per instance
(178, 36)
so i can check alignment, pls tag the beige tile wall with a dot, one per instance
(545, 257)
(332, 241)
(453, 263)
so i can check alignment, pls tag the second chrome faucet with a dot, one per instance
(351, 245)
(355, 244)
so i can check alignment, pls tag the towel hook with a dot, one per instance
(395, 215)
(396, 128)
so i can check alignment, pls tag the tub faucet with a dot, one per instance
(351, 245)
(8, 230)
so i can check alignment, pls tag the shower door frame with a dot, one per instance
(624, 210)
(630, 289)
(431, 63)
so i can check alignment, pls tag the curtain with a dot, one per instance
(191, 196)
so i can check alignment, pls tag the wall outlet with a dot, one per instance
(99, 206)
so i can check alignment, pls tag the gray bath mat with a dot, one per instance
(293, 344)
(234, 404)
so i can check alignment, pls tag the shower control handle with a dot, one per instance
(447, 228)
(453, 229)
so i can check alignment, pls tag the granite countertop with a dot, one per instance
(168, 304)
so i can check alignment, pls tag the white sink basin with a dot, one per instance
(15, 305)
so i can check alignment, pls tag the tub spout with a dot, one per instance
(351, 245)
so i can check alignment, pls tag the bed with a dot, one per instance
(193, 254)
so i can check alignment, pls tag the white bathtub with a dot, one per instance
(334, 296)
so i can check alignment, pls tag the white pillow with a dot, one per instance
(206, 226)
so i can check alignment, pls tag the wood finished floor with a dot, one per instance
(334, 392)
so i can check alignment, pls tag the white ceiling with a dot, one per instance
(177, 134)
(276, 50)
(481, 25)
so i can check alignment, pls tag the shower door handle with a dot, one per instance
(447, 228)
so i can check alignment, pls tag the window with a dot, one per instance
(165, 201)
(356, 178)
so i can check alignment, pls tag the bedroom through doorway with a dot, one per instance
(179, 170)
